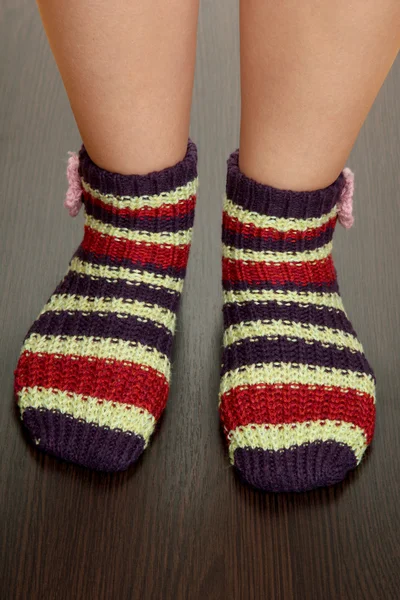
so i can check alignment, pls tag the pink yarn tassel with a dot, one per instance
(73, 198)
(345, 205)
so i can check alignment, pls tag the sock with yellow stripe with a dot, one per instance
(297, 397)
(93, 375)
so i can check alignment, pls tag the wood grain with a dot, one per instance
(180, 525)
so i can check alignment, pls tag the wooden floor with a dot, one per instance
(180, 525)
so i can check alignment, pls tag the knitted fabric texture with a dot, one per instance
(297, 396)
(93, 375)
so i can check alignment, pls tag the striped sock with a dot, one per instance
(93, 375)
(297, 398)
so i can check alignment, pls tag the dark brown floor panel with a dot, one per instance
(180, 525)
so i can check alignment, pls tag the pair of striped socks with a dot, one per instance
(297, 398)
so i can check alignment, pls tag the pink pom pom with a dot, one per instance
(345, 205)
(73, 198)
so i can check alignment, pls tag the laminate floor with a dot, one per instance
(180, 525)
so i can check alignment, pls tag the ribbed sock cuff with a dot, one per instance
(264, 199)
(154, 183)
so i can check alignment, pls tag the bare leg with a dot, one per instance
(128, 70)
(310, 72)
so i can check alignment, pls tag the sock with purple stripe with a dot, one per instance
(93, 376)
(297, 397)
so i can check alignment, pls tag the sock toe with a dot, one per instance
(296, 469)
(82, 443)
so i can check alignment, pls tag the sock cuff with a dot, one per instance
(154, 183)
(264, 199)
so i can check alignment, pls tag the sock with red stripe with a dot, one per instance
(297, 397)
(93, 375)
